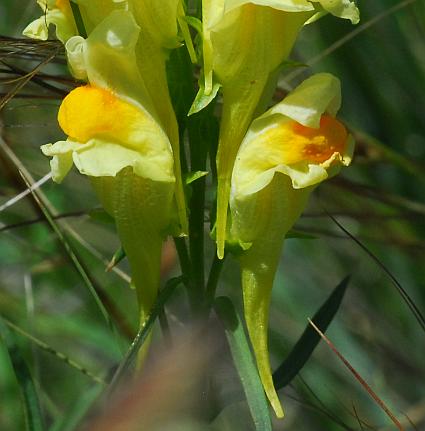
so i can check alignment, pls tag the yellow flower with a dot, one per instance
(286, 153)
(57, 13)
(147, 30)
(158, 22)
(107, 134)
(129, 159)
(244, 44)
(115, 137)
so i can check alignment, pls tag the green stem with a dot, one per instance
(78, 20)
(196, 234)
(198, 133)
(198, 159)
(186, 267)
(165, 327)
(213, 279)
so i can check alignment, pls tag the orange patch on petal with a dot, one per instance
(64, 6)
(328, 139)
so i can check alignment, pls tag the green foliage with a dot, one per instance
(308, 341)
(31, 404)
(244, 363)
(379, 201)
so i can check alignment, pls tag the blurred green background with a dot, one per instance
(379, 199)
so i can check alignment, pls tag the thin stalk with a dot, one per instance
(165, 328)
(198, 158)
(196, 234)
(213, 279)
(186, 268)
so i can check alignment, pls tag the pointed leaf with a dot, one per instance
(128, 361)
(75, 414)
(33, 416)
(305, 346)
(118, 256)
(78, 20)
(193, 176)
(244, 363)
(202, 100)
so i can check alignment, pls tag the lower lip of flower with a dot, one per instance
(328, 139)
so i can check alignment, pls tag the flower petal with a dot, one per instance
(346, 9)
(314, 96)
(298, 137)
(107, 134)
(284, 5)
(62, 19)
(100, 158)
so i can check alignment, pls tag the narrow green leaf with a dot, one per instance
(76, 413)
(100, 215)
(127, 363)
(244, 363)
(190, 177)
(180, 82)
(305, 346)
(32, 411)
(78, 19)
(299, 235)
(290, 64)
(202, 100)
(67, 247)
(195, 23)
(118, 256)
(57, 354)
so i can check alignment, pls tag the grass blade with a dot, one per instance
(59, 355)
(305, 346)
(359, 378)
(48, 215)
(32, 411)
(78, 19)
(78, 410)
(417, 313)
(68, 248)
(244, 363)
(128, 361)
(349, 36)
(24, 80)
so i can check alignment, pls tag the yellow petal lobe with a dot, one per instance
(291, 142)
(90, 112)
(318, 145)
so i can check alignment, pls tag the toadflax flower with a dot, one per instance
(57, 13)
(285, 154)
(244, 44)
(156, 25)
(115, 137)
